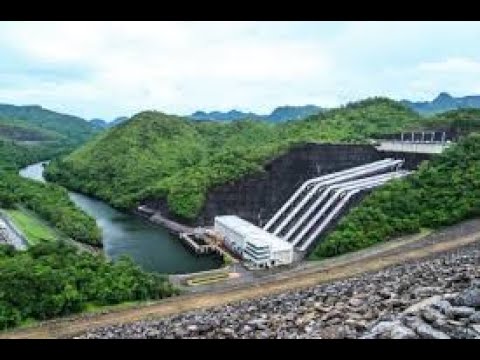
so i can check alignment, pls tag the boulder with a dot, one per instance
(427, 332)
(469, 297)
(460, 312)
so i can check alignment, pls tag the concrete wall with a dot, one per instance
(424, 148)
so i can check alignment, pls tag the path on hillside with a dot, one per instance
(372, 259)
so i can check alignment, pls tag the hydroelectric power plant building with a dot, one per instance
(252, 243)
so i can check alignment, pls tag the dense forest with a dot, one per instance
(54, 279)
(442, 192)
(163, 156)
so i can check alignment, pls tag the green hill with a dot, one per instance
(163, 156)
(31, 133)
(75, 129)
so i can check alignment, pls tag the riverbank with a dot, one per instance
(156, 217)
(149, 244)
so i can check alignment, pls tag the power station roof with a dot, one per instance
(251, 231)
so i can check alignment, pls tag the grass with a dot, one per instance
(207, 279)
(34, 229)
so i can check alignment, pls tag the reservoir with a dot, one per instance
(149, 245)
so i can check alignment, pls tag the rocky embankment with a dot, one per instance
(432, 298)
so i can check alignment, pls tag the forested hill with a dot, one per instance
(73, 128)
(154, 155)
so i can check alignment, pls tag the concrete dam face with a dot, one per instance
(257, 197)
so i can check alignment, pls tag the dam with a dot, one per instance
(300, 195)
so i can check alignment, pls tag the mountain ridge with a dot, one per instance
(279, 114)
(442, 103)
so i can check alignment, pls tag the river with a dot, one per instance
(149, 245)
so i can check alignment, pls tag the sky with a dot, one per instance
(110, 69)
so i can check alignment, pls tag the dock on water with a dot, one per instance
(196, 240)
(197, 245)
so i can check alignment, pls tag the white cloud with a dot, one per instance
(124, 67)
(453, 65)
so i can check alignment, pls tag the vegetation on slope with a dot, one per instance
(154, 155)
(53, 279)
(46, 133)
(74, 128)
(18, 131)
(51, 203)
(459, 122)
(442, 192)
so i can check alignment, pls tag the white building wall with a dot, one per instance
(282, 257)
(238, 242)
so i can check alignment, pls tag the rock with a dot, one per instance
(402, 332)
(258, 323)
(475, 318)
(228, 331)
(356, 324)
(455, 323)
(460, 312)
(384, 327)
(192, 328)
(442, 305)
(385, 293)
(324, 309)
(476, 328)
(152, 334)
(422, 304)
(470, 297)
(431, 315)
(330, 315)
(355, 302)
(425, 291)
(428, 332)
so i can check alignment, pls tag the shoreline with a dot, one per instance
(155, 217)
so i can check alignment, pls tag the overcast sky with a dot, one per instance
(109, 69)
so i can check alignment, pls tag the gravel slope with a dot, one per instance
(445, 290)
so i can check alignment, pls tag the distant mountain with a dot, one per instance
(280, 114)
(119, 120)
(285, 113)
(99, 123)
(102, 124)
(74, 129)
(444, 102)
(222, 116)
